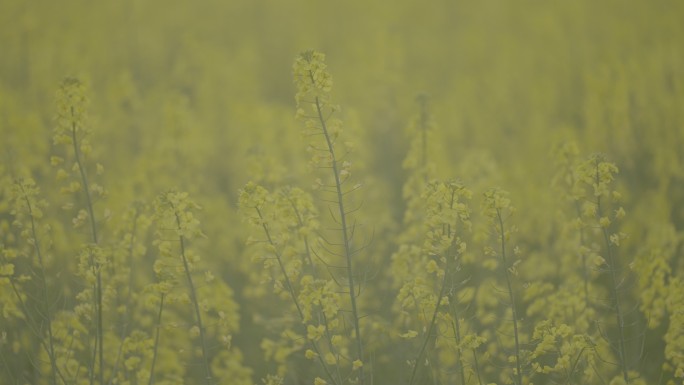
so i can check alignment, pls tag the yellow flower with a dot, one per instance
(431, 266)
(615, 239)
(314, 332)
(409, 334)
(336, 340)
(310, 354)
(357, 364)
(604, 222)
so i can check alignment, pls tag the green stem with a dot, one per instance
(193, 297)
(574, 366)
(477, 367)
(431, 327)
(585, 273)
(332, 347)
(457, 333)
(156, 339)
(345, 236)
(290, 288)
(99, 339)
(423, 135)
(512, 299)
(616, 299)
(29, 319)
(46, 305)
(305, 238)
(125, 319)
(614, 284)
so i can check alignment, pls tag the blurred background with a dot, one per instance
(506, 78)
(198, 96)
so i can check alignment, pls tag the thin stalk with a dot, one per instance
(156, 339)
(84, 179)
(423, 136)
(127, 314)
(305, 238)
(583, 256)
(99, 338)
(616, 297)
(457, 333)
(574, 366)
(585, 272)
(431, 327)
(193, 297)
(332, 347)
(6, 364)
(46, 305)
(345, 235)
(31, 322)
(512, 299)
(455, 324)
(290, 289)
(477, 367)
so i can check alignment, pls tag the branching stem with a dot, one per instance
(345, 234)
(48, 314)
(293, 295)
(431, 327)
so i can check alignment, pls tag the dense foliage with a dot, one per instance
(439, 193)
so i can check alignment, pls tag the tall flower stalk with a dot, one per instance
(497, 207)
(314, 84)
(446, 214)
(174, 212)
(597, 175)
(28, 210)
(72, 131)
(277, 215)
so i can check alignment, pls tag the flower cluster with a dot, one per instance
(403, 278)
